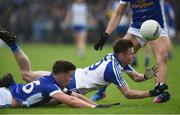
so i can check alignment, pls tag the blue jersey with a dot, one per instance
(106, 71)
(35, 93)
(143, 10)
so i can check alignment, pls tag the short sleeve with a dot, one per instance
(53, 89)
(128, 68)
(124, 1)
(113, 73)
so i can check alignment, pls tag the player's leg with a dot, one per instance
(80, 38)
(134, 40)
(147, 55)
(100, 94)
(21, 58)
(160, 49)
(25, 67)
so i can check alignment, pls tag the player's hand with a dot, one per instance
(100, 43)
(151, 72)
(159, 89)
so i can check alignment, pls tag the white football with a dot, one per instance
(150, 30)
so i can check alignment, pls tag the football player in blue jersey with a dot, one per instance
(106, 71)
(143, 10)
(44, 90)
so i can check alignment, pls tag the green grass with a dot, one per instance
(42, 57)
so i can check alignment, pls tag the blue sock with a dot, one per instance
(147, 61)
(14, 47)
(170, 55)
(101, 91)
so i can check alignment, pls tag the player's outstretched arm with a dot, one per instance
(148, 74)
(83, 98)
(137, 94)
(133, 94)
(72, 101)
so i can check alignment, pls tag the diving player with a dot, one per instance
(106, 71)
(143, 10)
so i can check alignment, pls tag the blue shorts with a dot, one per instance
(121, 30)
(79, 28)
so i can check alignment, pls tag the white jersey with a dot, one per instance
(79, 14)
(106, 71)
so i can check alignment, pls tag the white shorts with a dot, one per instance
(5, 97)
(142, 41)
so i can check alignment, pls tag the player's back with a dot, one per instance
(99, 74)
(34, 93)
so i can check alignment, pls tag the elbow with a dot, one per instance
(136, 79)
(128, 95)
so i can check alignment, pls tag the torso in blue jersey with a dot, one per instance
(143, 10)
(35, 93)
(106, 71)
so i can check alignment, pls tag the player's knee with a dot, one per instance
(25, 76)
(163, 57)
(128, 95)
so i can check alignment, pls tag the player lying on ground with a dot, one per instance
(43, 90)
(154, 9)
(108, 70)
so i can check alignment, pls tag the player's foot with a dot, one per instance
(7, 37)
(97, 97)
(6, 80)
(164, 97)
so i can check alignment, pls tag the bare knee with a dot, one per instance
(162, 57)
(27, 76)
(127, 95)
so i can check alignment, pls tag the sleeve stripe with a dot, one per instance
(54, 92)
(118, 75)
(128, 68)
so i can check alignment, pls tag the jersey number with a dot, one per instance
(93, 67)
(30, 86)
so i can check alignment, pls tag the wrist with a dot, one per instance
(152, 93)
(106, 35)
(145, 78)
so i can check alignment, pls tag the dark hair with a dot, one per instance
(121, 45)
(62, 66)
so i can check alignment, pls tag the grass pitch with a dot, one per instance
(42, 57)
